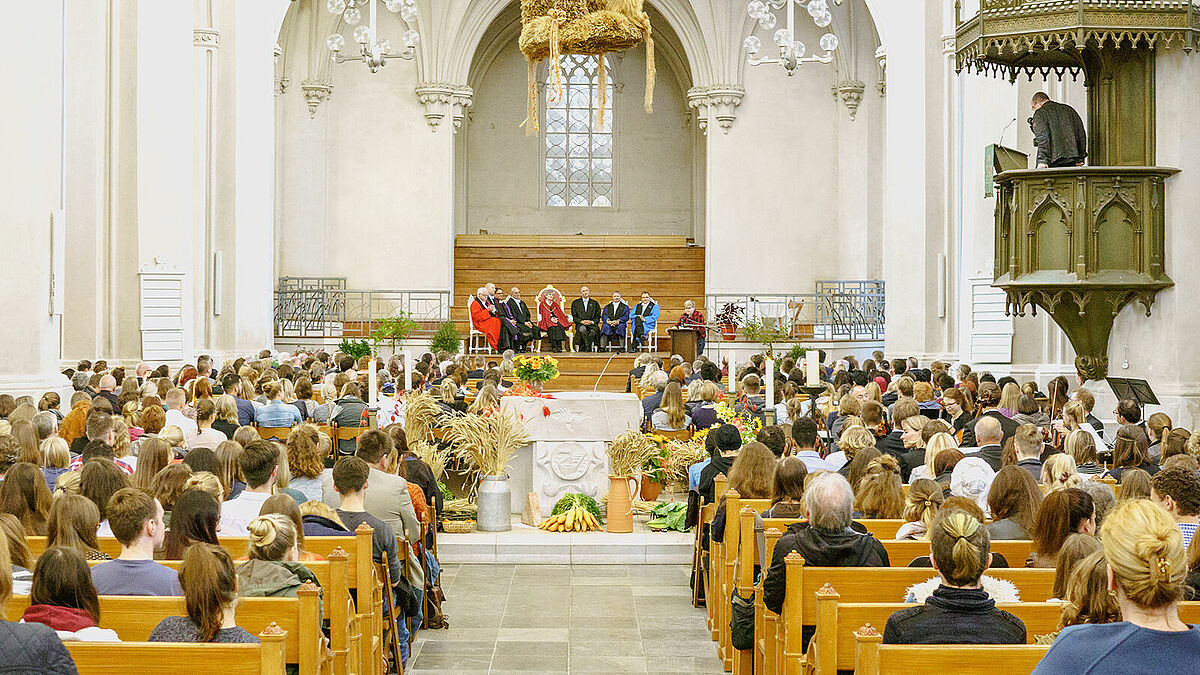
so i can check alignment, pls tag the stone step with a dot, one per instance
(529, 545)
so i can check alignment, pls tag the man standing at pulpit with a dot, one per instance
(483, 317)
(585, 314)
(645, 319)
(520, 313)
(614, 322)
(694, 319)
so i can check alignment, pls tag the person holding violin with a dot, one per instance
(956, 409)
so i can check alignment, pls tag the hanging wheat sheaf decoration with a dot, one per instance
(551, 28)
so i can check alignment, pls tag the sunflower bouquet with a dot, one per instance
(746, 423)
(535, 368)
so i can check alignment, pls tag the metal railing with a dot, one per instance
(318, 307)
(835, 311)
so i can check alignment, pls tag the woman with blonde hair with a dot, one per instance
(488, 399)
(26, 436)
(880, 493)
(274, 569)
(1086, 599)
(205, 481)
(286, 506)
(1058, 473)
(1081, 446)
(1158, 426)
(1074, 416)
(672, 414)
(752, 475)
(173, 435)
(55, 458)
(1010, 399)
(937, 443)
(959, 611)
(1147, 565)
(922, 504)
(854, 438)
(122, 448)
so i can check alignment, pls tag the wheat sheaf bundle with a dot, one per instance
(628, 452)
(486, 443)
(420, 414)
(683, 455)
(433, 455)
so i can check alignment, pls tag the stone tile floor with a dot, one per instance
(567, 618)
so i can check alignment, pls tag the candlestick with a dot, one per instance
(408, 366)
(770, 383)
(372, 388)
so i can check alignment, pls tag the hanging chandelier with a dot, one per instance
(373, 50)
(792, 51)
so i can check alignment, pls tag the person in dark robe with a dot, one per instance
(520, 313)
(1058, 133)
(585, 314)
(483, 317)
(645, 319)
(510, 333)
(694, 319)
(552, 320)
(614, 322)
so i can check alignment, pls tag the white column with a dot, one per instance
(31, 191)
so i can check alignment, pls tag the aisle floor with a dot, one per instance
(567, 618)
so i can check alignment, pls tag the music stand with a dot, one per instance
(1135, 390)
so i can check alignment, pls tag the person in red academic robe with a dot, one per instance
(483, 317)
(552, 320)
(694, 319)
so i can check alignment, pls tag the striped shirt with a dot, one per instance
(1188, 529)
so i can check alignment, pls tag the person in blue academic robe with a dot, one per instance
(645, 319)
(614, 321)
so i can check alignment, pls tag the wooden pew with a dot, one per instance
(882, 529)
(874, 658)
(727, 560)
(711, 572)
(134, 618)
(768, 647)
(700, 560)
(866, 584)
(170, 658)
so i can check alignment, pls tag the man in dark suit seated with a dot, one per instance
(989, 406)
(585, 314)
(614, 324)
(525, 324)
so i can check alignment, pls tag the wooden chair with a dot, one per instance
(135, 617)
(341, 433)
(680, 435)
(273, 433)
(476, 341)
(165, 658)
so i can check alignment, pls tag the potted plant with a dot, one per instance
(728, 318)
(393, 329)
(354, 348)
(448, 338)
(766, 333)
(535, 370)
(654, 469)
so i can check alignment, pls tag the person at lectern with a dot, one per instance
(1058, 133)
(484, 318)
(645, 319)
(614, 321)
(585, 314)
(694, 319)
(552, 319)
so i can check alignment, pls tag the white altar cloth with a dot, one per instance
(569, 446)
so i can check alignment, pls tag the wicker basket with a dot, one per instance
(458, 526)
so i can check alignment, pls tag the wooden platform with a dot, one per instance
(668, 267)
(587, 372)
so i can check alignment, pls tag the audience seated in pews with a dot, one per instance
(72, 524)
(64, 598)
(274, 568)
(138, 526)
(751, 476)
(879, 493)
(1147, 566)
(195, 518)
(825, 540)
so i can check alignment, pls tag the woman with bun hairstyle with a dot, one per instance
(960, 611)
(273, 570)
(210, 590)
(879, 493)
(925, 498)
(1147, 565)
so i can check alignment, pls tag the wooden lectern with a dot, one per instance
(683, 343)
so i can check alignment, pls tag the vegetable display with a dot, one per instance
(668, 516)
(574, 499)
(576, 519)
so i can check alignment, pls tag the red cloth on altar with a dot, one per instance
(485, 322)
(551, 315)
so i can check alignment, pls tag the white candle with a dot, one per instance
(408, 368)
(811, 378)
(770, 382)
(733, 383)
(372, 387)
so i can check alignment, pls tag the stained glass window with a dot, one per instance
(579, 150)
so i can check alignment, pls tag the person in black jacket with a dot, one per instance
(585, 314)
(959, 611)
(1058, 133)
(27, 647)
(826, 540)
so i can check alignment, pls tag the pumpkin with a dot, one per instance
(550, 28)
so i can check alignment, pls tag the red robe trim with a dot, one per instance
(552, 315)
(485, 322)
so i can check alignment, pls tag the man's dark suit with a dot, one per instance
(1007, 426)
(991, 454)
(586, 336)
(520, 313)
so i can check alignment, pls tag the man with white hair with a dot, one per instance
(143, 369)
(108, 387)
(828, 539)
(650, 403)
(484, 318)
(79, 382)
